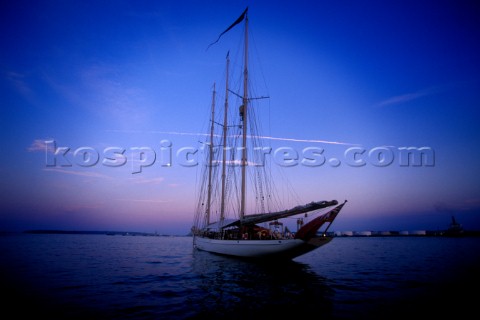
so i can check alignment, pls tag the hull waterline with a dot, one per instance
(282, 248)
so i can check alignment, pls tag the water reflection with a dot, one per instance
(235, 288)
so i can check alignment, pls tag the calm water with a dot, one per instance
(134, 277)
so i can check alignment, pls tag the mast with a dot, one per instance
(210, 161)
(243, 112)
(222, 207)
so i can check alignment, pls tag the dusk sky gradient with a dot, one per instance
(129, 74)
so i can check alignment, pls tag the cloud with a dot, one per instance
(144, 200)
(39, 145)
(105, 92)
(473, 201)
(18, 81)
(80, 207)
(78, 173)
(407, 97)
(460, 205)
(174, 185)
(250, 137)
(308, 140)
(148, 181)
(113, 96)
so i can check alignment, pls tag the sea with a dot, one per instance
(95, 276)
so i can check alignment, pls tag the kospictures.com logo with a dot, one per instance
(165, 155)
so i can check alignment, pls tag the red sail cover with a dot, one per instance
(310, 229)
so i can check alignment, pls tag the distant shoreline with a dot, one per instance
(423, 233)
(109, 233)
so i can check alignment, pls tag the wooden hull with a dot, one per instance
(284, 248)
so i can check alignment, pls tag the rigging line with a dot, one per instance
(258, 57)
(249, 99)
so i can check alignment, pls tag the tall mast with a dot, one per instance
(224, 158)
(244, 115)
(210, 161)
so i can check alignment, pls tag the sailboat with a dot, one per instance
(237, 212)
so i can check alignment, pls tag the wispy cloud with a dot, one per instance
(89, 174)
(104, 91)
(308, 140)
(148, 181)
(144, 200)
(39, 145)
(174, 185)
(407, 97)
(161, 132)
(80, 207)
(18, 80)
(249, 137)
(473, 201)
(461, 205)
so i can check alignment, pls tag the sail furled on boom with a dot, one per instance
(240, 19)
(264, 217)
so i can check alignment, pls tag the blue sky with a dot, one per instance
(129, 74)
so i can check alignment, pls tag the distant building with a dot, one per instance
(363, 233)
(418, 233)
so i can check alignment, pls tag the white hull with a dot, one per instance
(284, 248)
